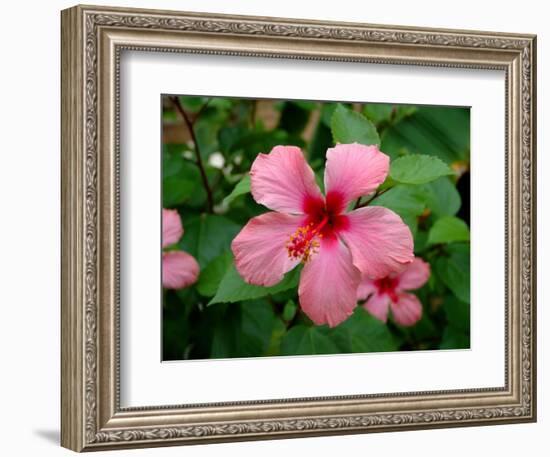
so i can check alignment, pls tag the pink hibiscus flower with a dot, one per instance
(179, 269)
(336, 246)
(390, 293)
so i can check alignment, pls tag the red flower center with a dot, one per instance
(304, 242)
(387, 285)
(324, 219)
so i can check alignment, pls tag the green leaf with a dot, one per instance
(403, 199)
(457, 312)
(412, 223)
(424, 329)
(418, 169)
(221, 103)
(327, 110)
(420, 240)
(176, 190)
(404, 111)
(175, 324)
(385, 116)
(259, 140)
(454, 339)
(306, 105)
(302, 340)
(181, 181)
(169, 115)
(242, 188)
(243, 331)
(257, 319)
(206, 132)
(192, 103)
(443, 132)
(407, 201)
(448, 125)
(447, 230)
(233, 288)
(454, 270)
(207, 236)
(351, 127)
(365, 333)
(172, 159)
(229, 136)
(442, 197)
(211, 276)
(378, 112)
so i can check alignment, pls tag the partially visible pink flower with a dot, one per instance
(179, 269)
(336, 246)
(390, 293)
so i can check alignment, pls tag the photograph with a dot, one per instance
(306, 227)
(280, 228)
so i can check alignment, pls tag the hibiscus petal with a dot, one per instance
(366, 287)
(414, 275)
(407, 310)
(353, 170)
(379, 241)
(260, 250)
(179, 270)
(328, 284)
(378, 305)
(283, 181)
(172, 230)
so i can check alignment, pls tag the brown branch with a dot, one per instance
(369, 201)
(200, 164)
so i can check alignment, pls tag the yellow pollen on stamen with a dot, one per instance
(304, 243)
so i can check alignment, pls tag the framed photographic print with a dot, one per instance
(282, 228)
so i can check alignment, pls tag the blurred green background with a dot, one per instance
(221, 316)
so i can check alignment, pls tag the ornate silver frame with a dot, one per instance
(92, 41)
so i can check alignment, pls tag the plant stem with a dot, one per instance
(200, 164)
(369, 201)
